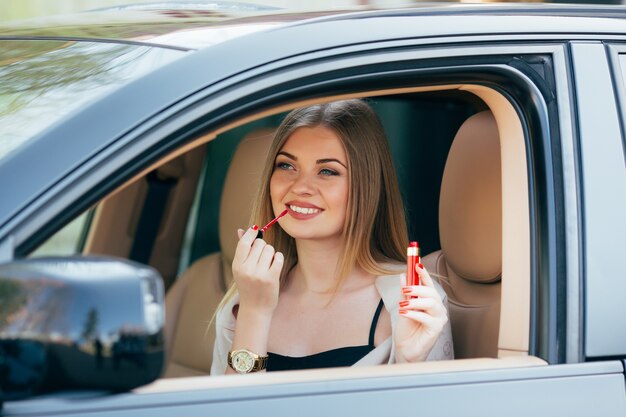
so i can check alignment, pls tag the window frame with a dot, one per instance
(243, 97)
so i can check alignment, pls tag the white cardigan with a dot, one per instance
(388, 287)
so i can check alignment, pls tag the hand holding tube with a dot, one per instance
(422, 319)
(256, 270)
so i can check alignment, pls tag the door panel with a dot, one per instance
(572, 390)
(603, 201)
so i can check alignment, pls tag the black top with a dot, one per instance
(345, 356)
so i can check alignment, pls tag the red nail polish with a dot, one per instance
(421, 266)
(402, 311)
(255, 227)
(404, 303)
(406, 290)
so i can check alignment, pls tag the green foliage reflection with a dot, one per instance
(12, 298)
(42, 81)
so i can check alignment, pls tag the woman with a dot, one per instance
(310, 293)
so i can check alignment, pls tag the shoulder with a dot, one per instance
(389, 285)
(224, 318)
(389, 288)
(225, 323)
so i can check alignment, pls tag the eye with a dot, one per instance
(285, 166)
(328, 172)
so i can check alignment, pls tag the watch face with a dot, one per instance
(243, 362)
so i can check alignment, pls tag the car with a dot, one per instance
(131, 143)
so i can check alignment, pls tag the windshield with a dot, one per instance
(41, 81)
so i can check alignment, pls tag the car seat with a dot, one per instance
(191, 301)
(469, 263)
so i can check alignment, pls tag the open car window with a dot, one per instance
(201, 201)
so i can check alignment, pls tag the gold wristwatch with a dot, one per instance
(243, 361)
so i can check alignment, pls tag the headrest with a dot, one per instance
(240, 189)
(470, 206)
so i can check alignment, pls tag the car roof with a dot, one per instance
(196, 25)
(178, 25)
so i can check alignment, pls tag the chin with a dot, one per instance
(312, 235)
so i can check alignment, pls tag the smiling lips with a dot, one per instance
(299, 212)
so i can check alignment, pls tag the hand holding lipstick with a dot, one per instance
(422, 319)
(256, 270)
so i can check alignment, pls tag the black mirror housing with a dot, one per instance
(79, 323)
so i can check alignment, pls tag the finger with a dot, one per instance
(265, 259)
(418, 316)
(425, 278)
(255, 252)
(428, 305)
(277, 263)
(244, 245)
(248, 237)
(421, 291)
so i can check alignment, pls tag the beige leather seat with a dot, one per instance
(192, 300)
(470, 227)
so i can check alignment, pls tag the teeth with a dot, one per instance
(303, 210)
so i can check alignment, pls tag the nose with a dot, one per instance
(303, 185)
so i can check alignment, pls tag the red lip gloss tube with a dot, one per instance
(412, 259)
(270, 224)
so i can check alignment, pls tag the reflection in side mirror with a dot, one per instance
(79, 323)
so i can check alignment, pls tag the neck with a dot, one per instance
(317, 267)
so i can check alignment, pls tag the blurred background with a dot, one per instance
(24, 9)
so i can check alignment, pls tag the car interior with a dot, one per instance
(459, 152)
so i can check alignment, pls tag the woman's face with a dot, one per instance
(310, 179)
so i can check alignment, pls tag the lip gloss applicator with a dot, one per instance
(412, 259)
(270, 224)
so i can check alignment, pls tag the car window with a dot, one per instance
(420, 144)
(67, 241)
(192, 223)
(421, 124)
(43, 81)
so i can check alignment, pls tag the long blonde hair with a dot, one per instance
(375, 231)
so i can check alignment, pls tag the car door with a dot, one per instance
(539, 81)
(599, 76)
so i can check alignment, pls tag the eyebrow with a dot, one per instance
(319, 161)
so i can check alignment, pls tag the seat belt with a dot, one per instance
(151, 216)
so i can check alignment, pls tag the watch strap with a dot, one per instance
(260, 363)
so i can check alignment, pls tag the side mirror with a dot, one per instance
(79, 323)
